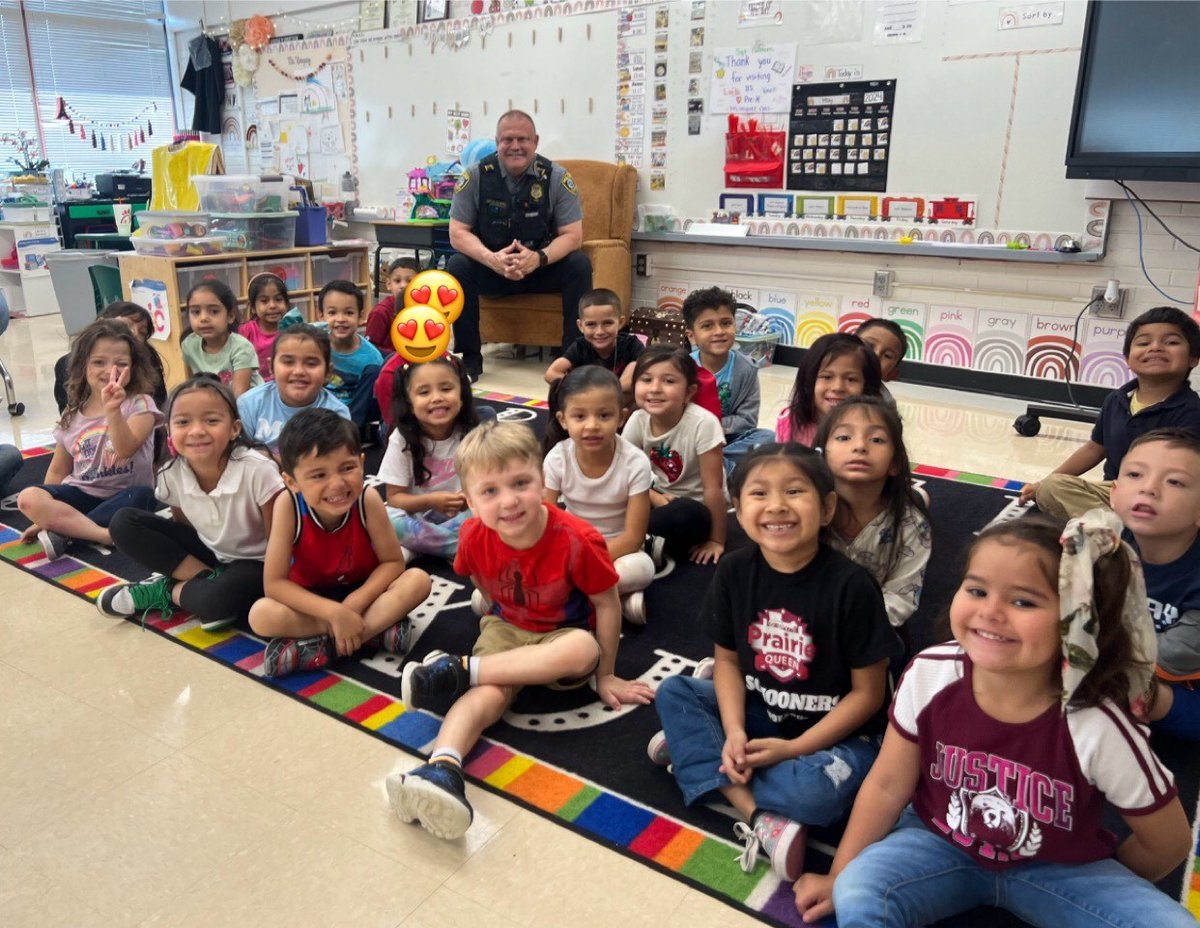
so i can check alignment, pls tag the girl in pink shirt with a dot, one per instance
(836, 367)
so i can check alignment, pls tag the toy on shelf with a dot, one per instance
(177, 247)
(432, 188)
(171, 225)
(418, 182)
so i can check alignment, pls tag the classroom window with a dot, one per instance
(108, 60)
(16, 93)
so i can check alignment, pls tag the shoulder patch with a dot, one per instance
(568, 183)
(463, 180)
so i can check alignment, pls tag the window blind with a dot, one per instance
(108, 60)
(16, 94)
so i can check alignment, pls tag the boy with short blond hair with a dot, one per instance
(1157, 497)
(601, 340)
(551, 617)
(711, 324)
(1162, 345)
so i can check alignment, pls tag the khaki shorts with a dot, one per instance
(497, 636)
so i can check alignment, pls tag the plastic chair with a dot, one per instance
(10, 393)
(106, 285)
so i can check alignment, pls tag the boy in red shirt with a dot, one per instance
(552, 618)
(379, 322)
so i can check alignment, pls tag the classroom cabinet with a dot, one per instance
(162, 284)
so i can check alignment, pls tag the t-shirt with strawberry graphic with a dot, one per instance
(798, 636)
(675, 454)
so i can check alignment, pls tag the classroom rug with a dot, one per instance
(565, 755)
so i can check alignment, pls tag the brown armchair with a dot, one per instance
(608, 192)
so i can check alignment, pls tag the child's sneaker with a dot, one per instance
(656, 547)
(215, 625)
(396, 639)
(288, 655)
(434, 684)
(780, 839)
(633, 607)
(478, 603)
(122, 600)
(704, 669)
(436, 796)
(53, 544)
(657, 749)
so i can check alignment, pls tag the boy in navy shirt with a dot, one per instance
(1162, 346)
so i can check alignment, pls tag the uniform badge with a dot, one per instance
(463, 180)
(536, 191)
(568, 183)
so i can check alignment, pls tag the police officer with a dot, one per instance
(517, 225)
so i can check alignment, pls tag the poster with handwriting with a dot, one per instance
(752, 79)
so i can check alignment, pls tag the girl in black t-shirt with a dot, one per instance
(789, 724)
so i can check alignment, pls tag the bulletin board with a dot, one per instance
(982, 109)
(303, 106)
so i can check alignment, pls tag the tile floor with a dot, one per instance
(143, 785)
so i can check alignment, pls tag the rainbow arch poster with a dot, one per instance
(1001, 338)
(1103, 363)
(911, 318)
(1052, 352)
(816, 315)
(950, 336)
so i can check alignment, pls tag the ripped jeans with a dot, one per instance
(817, 789)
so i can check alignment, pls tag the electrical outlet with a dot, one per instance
(1105, 310)
(642, 264)
(882, 285)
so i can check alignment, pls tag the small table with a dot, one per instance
(432, 235)
(114, 241)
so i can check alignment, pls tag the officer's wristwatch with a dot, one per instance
(542, 259)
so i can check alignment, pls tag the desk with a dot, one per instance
(114, 241)
(430, 236)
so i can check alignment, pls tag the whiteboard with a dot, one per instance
(980, 111)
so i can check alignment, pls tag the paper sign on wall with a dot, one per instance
(458, 131)
(752, 79)
(1030, 15)
(151, 295)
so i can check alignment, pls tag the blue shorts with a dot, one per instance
(99, 509)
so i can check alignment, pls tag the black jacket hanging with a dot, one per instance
(205, 80)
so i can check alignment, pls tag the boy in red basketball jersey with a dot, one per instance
(334, 572)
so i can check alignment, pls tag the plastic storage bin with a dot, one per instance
(291, 270)
(177, 247)
(230, 193)
(172, 225)
(276, 195)
(334, 267)
(188, 275)
(73, 284)
(255, 231)
(759, 350)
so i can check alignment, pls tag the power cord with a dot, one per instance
(1075, 341)
(1129, 191)
(1141, 254)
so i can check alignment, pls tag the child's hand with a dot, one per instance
(1027, 493)
(448, 504)
(346, 627)
(112, 395)
(30, 534)
(658, 498)
(766, 752)
(616, 692)
(708, 553)
(733, 759)
(814, 896)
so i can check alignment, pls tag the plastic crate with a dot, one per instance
(163, 224)
(291, 270)
(230, 193)
(334, 267)
(255, 231)
(177, 247)
(759, 350)
(189, 275)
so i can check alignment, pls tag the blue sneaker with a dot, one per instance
(436, 796)
(435, 684)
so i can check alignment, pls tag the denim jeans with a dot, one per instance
(915, 877)
(739, 444)
(99, 509)
(10, 464)
(815, 789)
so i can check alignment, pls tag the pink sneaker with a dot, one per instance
(780, 839)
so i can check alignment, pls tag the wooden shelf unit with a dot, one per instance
(236, 268)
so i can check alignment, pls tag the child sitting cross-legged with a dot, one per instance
(356, 362)
(1157, 497)
(334, 573)
(600, 341)
(553, 618)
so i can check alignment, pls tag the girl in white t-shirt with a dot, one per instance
(684, 443)
(433, 409)
(220, 488)
(602, 478)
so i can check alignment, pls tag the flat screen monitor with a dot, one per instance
(1137, 97)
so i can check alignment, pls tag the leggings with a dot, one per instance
(683, 523)
(162, 544)
(1183, 721)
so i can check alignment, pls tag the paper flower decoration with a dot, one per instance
(241, 76)
(247, 58)
(237, 32)
(259, 31)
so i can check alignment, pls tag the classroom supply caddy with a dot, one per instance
(173, 277)
(310, 224)
(753, 155)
